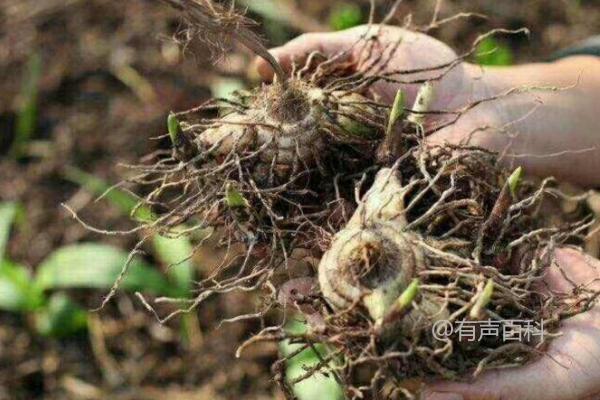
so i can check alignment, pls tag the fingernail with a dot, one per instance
(442, 396)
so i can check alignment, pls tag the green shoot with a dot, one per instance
(397, 111)
(409, 294)
(174, 129)
(483, 300)
(401, 305)
(514, 180)
(422, 103)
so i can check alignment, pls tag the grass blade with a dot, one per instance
(317, 386)
(174, 253)
(28, 105)
(8, 211)
(120, 199)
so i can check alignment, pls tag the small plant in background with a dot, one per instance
(86, 266)
(301, 360)
(172, 252)
(345, 15)
(27, 105)
(492, 52)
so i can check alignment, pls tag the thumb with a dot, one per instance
(298, 50)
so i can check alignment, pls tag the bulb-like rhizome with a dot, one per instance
(294, 165)
(272, 168)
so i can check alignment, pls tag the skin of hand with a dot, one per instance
(571, 368)
(548, 132)
(547, 124)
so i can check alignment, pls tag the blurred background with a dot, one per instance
(84, 86)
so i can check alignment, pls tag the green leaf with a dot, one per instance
(28, 107)
(97, 266)
(491, 52)
(120, 199)
(61, 318)
(344, 16)
(172, 252)
(8, 211)
(318, 386)
(16, 291)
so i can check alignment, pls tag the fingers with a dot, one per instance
(573, 267)
(570, 369)
(529, 129)
(300, 48)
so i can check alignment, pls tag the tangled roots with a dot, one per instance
(443, 238)
(407, 235)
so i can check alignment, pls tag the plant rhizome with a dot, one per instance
(315, 165)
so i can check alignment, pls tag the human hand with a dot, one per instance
(416, 51)
(548, 131)
(571, 368)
